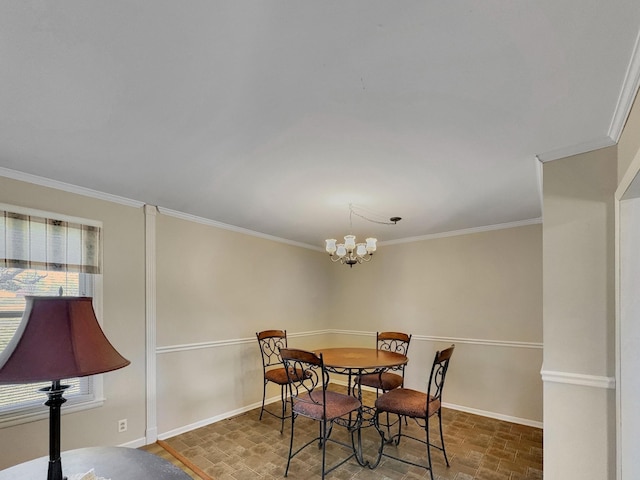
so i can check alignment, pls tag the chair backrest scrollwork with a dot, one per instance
(439, 372)
(271, 342)
(397, 342)
(308, 379)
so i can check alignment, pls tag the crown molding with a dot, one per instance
(67, 187)
(627, 96)
(627, 93)
(577, 149)
(466, 231)
(540, 184)
(233, 228)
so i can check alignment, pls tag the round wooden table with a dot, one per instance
(352, 361)
(115, 463)
(358, 361)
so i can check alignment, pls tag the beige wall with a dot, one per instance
(220, 287)
(485, 285)
(579, 304)
(628, 335)
(579, 315)
(468, 289)
(216, 284)
(215, 288)
(123, 322)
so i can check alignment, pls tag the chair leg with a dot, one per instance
(264, 394)
(383, 440)
(426, 427)
(323, 429)
(284, 407)
(399, 433)
(442, 437)
(293, 417)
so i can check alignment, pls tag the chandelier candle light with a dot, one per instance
(350, 252)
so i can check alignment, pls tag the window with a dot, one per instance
(44, 254)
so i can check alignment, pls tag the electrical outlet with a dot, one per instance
(122, 425)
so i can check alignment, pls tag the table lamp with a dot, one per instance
(58, 337)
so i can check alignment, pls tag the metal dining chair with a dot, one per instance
(393, 378)
(417, 405)
(271, 342)
(309, 397)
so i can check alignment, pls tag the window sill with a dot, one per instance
(41, 412)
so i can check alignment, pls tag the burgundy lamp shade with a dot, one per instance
(58, 337)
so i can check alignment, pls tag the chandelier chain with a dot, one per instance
(353, 212)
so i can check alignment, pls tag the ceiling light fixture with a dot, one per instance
(350, 253)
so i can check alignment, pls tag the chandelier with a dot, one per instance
(351, 253)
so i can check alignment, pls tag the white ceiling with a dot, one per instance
(275, 115)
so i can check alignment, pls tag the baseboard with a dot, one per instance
(137, 443)
(494, 415)
(217, 418)
(475, 411)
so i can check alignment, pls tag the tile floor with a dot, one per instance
(158, 450)
(245, 448)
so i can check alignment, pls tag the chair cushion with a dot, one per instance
(279, 375)
(338, 404)
(387, 381)
(404, 401)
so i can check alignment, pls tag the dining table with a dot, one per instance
(354, 362)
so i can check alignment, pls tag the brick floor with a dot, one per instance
(478, 448)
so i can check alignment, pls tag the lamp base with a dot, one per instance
(54, 403)
(55, 470)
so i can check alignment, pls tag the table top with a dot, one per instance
(115, 463)
(361, 358)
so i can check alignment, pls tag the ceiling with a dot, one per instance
(274, 116)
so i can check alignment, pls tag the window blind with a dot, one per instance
(42, 255)
(39, 243)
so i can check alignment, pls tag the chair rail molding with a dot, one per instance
(431, 338)
(229, 342)
(425, 338)
(595, 381)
